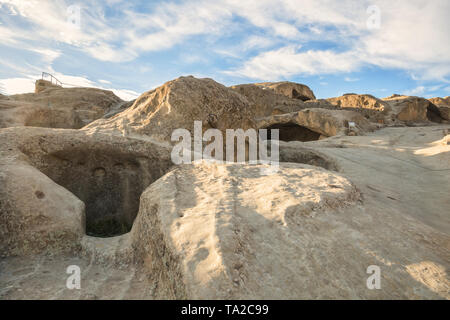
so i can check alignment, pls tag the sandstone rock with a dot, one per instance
(413, 109)
(443, 104)
(177, 104)
(440, 101)
(214, 241)
(289, 89)
(56, 107)
(320, 103)
(309, 124)
(42, 85)
(108, 195)
(265, 102)
(444, 112)
(180, 102)
(359, 101)
(93, 177)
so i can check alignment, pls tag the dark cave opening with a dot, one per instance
(293, 132)
(109, 182)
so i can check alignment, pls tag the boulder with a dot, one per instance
(56, 107)
(56, 185)
(359, 101)
(180, 102)
(440, 101)
(443, 104)
(237, 234)
(42, 85)
(444, 112)
(289, 89)
(315, 124)
(413, 109)
(267, 102)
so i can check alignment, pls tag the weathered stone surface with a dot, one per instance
(413, 109)
(56, 107)
(441, 101)
(289, 89)
(266, 102)
(443, 104)
(308, 230)
(445, 112)
(177, 104)
(360, 101)
(93, 176)
(42, 85)
(241, 207)
(326, 123)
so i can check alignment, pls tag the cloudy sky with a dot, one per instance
(335, 47)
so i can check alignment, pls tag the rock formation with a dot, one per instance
(52, 106)
(289, 89)
(413, 109)
(443, 104)
(361, 181)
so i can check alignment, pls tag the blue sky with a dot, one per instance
(379, 47)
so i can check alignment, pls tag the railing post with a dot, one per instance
(57, 82)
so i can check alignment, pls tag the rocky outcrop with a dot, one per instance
(42, 85)
(265, 102)
(372, 108)
(359, 101)
(320, 124)
(343, 198)
(289, 89)
(440, 101)
(180, 102)
(443, 104)
(56, 107)
(413, 109)
(177, 104)
(214, 242)
(58, 184)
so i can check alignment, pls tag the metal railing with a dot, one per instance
(57, 82)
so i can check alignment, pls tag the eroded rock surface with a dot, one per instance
(346, 196)
(289, 89)
(57, 184)
(56, 107)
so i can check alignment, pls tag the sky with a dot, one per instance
(379, 47)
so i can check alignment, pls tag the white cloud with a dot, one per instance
(48, 55)
(349, 79)
(413, 35)
(418, 91)
(257, 42)
(126, 95)
(17, 85)
(423, 90)
(287, 61)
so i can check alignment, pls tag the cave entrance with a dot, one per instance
(109, 182)
(294, 132)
